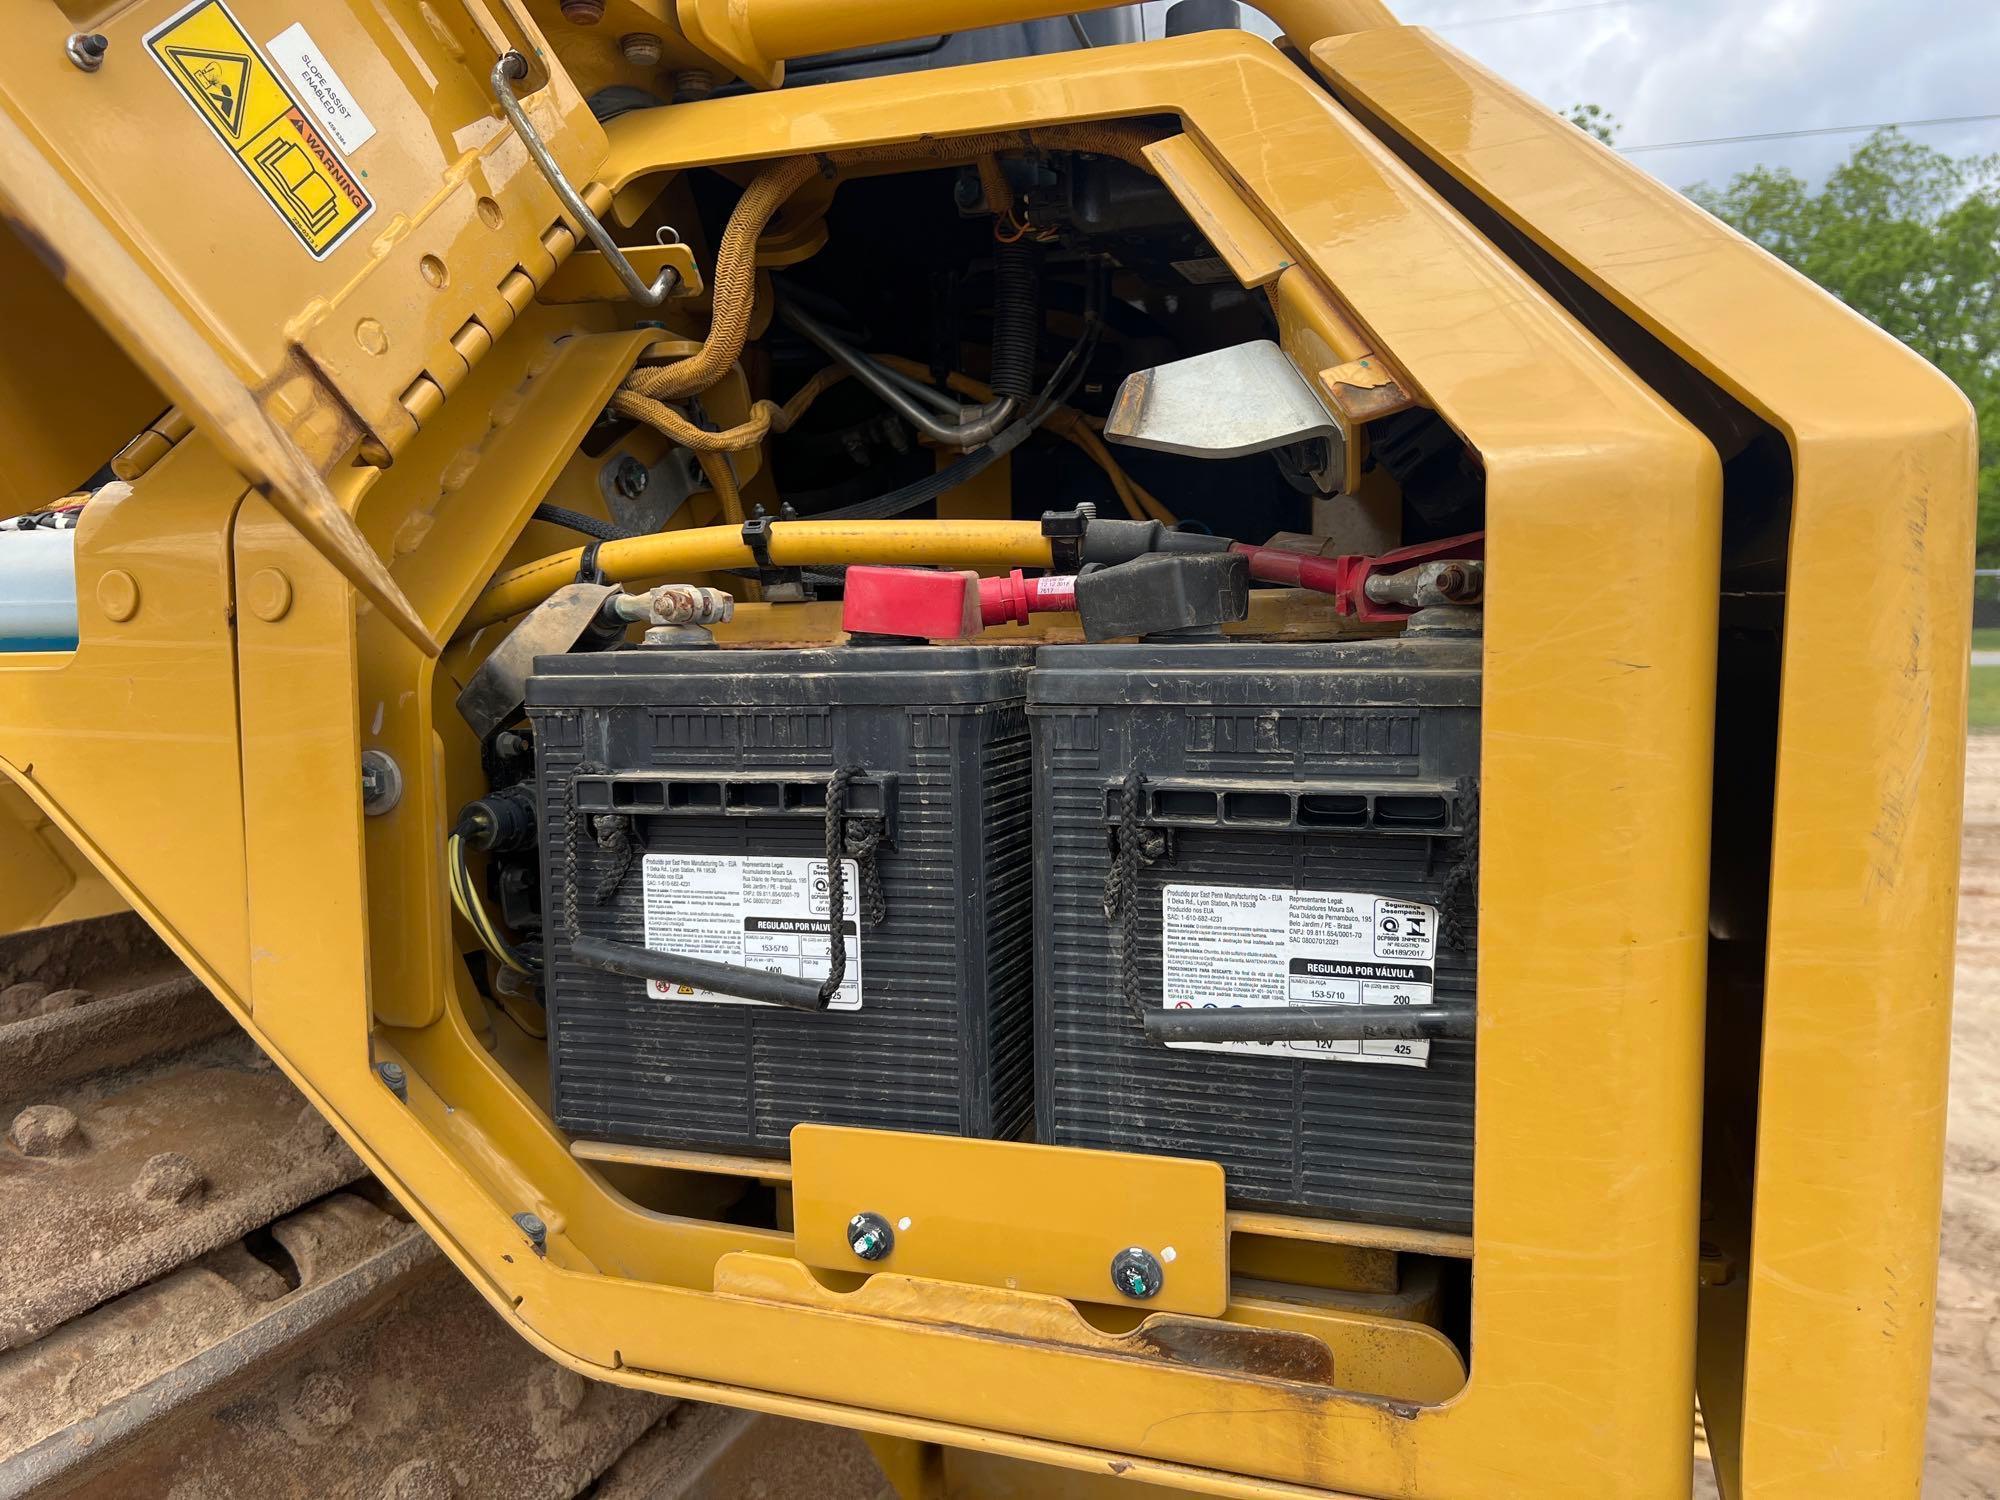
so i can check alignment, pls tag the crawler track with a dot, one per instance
(202, 1293)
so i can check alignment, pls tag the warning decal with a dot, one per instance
(769, 914)
(1224, 946)
(209, 57)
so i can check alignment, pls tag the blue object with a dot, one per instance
(38, 590)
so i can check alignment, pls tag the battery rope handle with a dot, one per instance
(846, 837)
(633, 961)
(1135, 846)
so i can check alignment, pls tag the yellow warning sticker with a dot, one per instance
(210, 58)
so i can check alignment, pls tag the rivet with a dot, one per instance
(270, 595)
(489, 213)
(118, 595)
(433, 271)
(583, 12)
(371, 336)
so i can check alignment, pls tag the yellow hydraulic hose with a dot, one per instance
(959, 544)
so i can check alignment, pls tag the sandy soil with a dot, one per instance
(1965, 1381)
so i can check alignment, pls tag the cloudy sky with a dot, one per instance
(1676, 70)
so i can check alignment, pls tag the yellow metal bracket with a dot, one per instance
(1005, 1214)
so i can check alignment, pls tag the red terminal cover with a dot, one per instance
(937, 606)
(1012, 599)
(922, 602)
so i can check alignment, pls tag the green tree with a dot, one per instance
(1910, 238)
(1595, 120)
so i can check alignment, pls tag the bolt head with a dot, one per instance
(630, 478)
(381, 782)
(870, 1237)
(1137, 1274)
(86, 49)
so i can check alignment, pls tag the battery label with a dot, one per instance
(770, 914)
(1225, 946)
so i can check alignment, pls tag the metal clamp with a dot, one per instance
(512, 66)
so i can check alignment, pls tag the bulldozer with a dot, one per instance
(1209, 764)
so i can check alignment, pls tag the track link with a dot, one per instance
(203, 1293)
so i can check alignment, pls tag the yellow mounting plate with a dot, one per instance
(1003, 1214)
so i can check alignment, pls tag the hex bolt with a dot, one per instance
(381, 782)
(86, 49)
(536, 1231)
(1137, 1274)
(630, 477)
(870, 1237)
(641, 49)
(398, 1082)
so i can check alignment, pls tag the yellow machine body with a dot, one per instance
(408, 397)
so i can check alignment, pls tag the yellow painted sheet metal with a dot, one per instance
(587, 276)
(129, 743)
(1595, 866)
(1871, 746)
(1595, 820)
(1007, 1214)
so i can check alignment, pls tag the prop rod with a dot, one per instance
(513, 66)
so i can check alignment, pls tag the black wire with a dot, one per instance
(1061, 385)
(576, 520)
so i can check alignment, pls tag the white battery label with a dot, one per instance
(770, 914)
(1224, 946)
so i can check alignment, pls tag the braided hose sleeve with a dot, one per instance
(582, 521)
(765, 417)
(993, 185)
(734, 287)
(722, 479)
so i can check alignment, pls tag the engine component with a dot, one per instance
(1284, 829)
(719, 809)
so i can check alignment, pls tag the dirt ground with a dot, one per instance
(1965, 1381)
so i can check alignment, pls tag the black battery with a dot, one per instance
(683, 799)
(1221, 825)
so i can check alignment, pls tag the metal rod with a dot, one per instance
(1313, 1023)
(942, 401)
(704, 974)
(985, 420)
(512, 66)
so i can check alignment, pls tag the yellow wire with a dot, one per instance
(474, 911)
